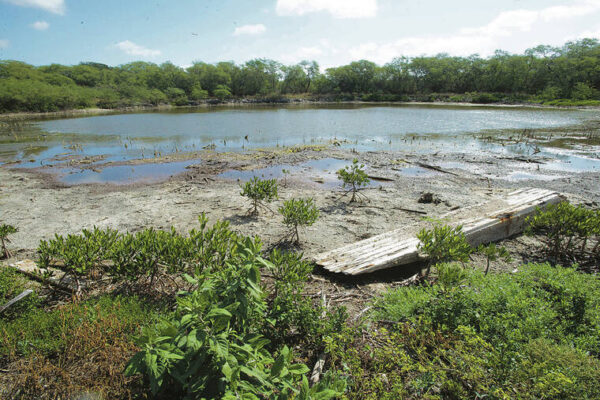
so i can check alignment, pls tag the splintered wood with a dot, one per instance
(489, 222)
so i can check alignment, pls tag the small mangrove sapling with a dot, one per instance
(298, 212)
(259, 191)
(493, 253)
(6, 230)
(354, 178)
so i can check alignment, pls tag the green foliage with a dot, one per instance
(48, 333)
(212, 346)
(443, 244)
(298, 212)
(533, 334)
(5, 231)
(509, 310)
(260, 191)
(555, 75)
(12, 284)
(222, 92)
(149, 254)
(354, 177)
(570, 233)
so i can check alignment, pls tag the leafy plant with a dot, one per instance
(570, 233)
(443, 244)
(298, 212)
(493, 253)
(212, 347)
(353, 177)
(6, 230)
(259, 191)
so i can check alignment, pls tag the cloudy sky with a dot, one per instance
(333, 32)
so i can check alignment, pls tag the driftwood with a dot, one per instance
(505, 217)
(20, 297)
(433, 168)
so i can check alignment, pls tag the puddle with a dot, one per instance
(124, 174)
(322, 171)
(527, 176)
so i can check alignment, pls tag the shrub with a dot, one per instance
(259, 191)
(157, 256)
(443, 244)
(533, 334)
(6, 230)
(212, 347)
(570, 233)
(354, 177)
(298, 212)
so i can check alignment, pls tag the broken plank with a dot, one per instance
(500, 219)
(20, 297)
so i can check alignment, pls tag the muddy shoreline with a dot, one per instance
(40, 207)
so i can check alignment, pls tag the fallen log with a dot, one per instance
(396, 248)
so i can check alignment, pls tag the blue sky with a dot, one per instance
(332, 32)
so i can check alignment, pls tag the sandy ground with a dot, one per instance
(39, 207)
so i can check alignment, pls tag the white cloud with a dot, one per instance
(249, 30)
(483, 39)
(53, 6)
(136, 50)
(4, 43)
(40, 25)
(302, 53)
(337, 8)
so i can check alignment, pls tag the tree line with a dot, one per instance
(541, 74)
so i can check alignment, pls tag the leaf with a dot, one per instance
(298, 369)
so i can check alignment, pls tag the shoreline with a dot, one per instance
(24, 116)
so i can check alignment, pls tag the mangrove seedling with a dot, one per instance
(493, 253)
(6, 230)
(260, 191)
(298, 212)
(443, 244)
(354, 178)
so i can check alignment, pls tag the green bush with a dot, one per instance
(570, 233)
(149, 254)
(259, 191)
(443, 244)
(529, 335)
(354, 177)
(298, 212)
(509, 310)
(212, 347)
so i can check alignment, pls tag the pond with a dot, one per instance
(410, 128)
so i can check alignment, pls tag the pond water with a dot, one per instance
(411, 128)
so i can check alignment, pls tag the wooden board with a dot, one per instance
(493, 221)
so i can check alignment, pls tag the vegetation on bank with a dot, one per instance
(564, 75)
(210, 315)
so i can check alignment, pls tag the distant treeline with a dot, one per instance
(557, 75)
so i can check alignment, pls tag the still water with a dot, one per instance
(411, 128)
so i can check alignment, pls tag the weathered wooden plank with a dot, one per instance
(18, 298)
(496, 220)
